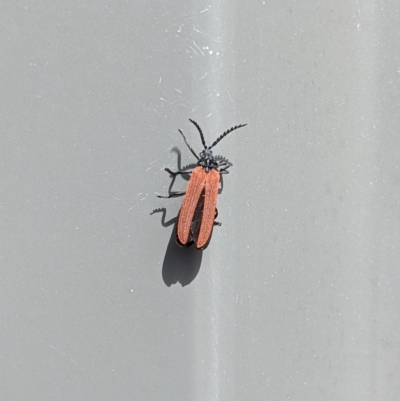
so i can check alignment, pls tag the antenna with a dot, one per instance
(226, 133)
(187, 144)
(201, 132)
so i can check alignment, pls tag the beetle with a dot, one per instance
(198, 212)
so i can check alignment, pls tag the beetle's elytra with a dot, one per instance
(197, 215)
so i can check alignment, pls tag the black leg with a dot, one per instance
(216, 223)
(176, 172)
(224, 167)
(173, 195)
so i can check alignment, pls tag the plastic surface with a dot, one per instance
(297, 295)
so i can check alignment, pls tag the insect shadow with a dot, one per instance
(181, 264)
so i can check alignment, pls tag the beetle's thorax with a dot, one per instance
(207, 160)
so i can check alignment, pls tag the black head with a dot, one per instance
(206, 158)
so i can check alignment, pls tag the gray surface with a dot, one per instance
(296, 298)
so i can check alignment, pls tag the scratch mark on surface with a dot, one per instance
(198, 48)
(206, 9)
(62, 353)
(196, 30)
(52, 346)
(193, 49)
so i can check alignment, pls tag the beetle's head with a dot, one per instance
(207, 160)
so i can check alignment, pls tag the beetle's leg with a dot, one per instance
(176, 172)
(224, 170)
(173, 195)
(225, 166)
(216, 223)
